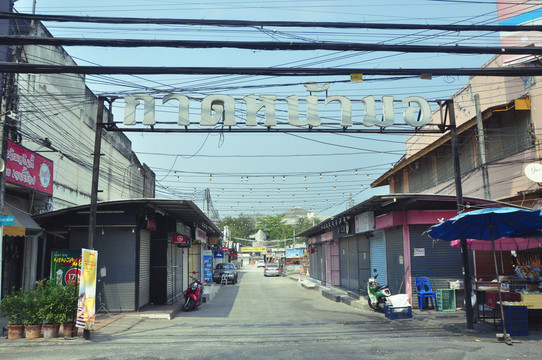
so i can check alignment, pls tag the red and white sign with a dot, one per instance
(180, 239)
(72, 275)
(25, 168)
(151, 225)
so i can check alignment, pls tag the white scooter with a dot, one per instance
(377, 295)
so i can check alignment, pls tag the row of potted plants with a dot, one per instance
(48, 305)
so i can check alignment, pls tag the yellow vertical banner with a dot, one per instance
(86, 306)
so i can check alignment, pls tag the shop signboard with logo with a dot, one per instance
(66, 266)
(207, 266)
(28, 169)
(181, 240)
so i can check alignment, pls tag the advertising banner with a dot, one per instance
(207, 266)
(294, 253)
(253, 249)
(87, 290)
(25, 168)
(66, 266)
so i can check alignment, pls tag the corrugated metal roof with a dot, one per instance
(183, 210)
(382, 204)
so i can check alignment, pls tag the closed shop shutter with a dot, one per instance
(144, 267)
(440, 262)
(117, 252)
(364, 261)
(353, 281)
(321, 263)
(378, 256)
(175, 272)
(343, 258)
(395, 259)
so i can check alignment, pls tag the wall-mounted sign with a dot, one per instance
(221, 109)
(181, 240)
(151, 225)
(364, 222)
(7, 219)
(419, 251)
(28, 169)
(201, 235)
(343, 228)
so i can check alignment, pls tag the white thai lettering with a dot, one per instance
(267, 102)
(184, 107)
(216, 107)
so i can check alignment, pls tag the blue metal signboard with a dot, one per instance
(7, 219)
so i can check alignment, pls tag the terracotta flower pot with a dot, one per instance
(15, 332)
(50, 331)
(32, 331)
(70, 330)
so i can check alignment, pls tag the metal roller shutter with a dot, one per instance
(117, 252)
(378, 256)
(343, 259)
(144, 267)
(353, 281)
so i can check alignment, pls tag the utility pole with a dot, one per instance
(459, 195)
(482, 146)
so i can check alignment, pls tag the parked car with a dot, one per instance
(261, 263)
(271, 270)
(225, 269)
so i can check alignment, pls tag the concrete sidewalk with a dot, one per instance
(455, 321)
(115, 323)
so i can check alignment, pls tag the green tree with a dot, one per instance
(240, 227)
(304, 223)
(275, 227)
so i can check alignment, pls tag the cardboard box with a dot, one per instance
(534, 301)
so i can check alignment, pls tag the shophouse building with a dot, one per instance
(49, 126)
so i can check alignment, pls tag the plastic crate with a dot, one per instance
(492, 297)
(394, 313)
(446, 300)
(516, 319)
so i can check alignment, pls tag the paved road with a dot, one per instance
(274, 318)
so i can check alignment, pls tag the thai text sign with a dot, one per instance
(294, 253)
(87, 289)
(247, 249)
(25, 168)
(217, 109)
(65, 266)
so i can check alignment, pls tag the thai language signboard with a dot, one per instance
(25, 168)
(247, 249)
(87, 290)
(66, 266)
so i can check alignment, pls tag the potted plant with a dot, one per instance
(33, 313)
(68, 309)
(51, 308)
(11, 306)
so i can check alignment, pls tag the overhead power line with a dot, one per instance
(156, 70)
(270, 45)
(247, 23)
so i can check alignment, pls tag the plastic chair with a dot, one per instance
(424, 290)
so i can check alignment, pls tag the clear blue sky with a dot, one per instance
(183, 162)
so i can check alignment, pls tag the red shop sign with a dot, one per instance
(28, 169)
(180, 239)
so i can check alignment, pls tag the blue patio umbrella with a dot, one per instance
(489, 224)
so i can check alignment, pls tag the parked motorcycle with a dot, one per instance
(193, 295)
(377, 294)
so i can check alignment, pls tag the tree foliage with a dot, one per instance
(275, 227)
(240, 227)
